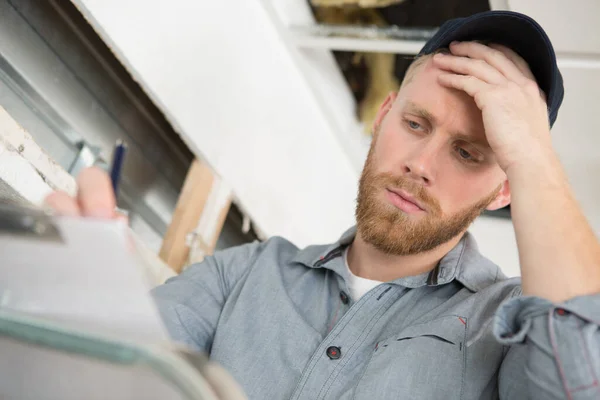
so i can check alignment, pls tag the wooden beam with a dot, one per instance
(192, 201)
(219, 227)
(204, 239)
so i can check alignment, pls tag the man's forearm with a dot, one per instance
(558, 251)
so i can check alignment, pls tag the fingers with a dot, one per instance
(62, 204)
(493, 57)
(467, 66)
(479, 60)
(95, 197)
(515, 58)
(467, 83)
(520, 63)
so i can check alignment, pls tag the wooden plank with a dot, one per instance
(219, 227)
(204, 239)
(190, 206)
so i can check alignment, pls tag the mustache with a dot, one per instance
(418, 191)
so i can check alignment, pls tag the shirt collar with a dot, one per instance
(463, 263)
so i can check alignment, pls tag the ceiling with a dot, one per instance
(578, 49)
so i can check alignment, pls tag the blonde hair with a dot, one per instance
(418, 62)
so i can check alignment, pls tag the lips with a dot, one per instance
(408, 198)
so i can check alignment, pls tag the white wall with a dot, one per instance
(571, 25)
(249, 103)
(574, 30)
(271, 119)
(496, 240)
(575, 34)
(227, 82)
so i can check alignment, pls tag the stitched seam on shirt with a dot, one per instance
(505, 349)
(464, 372)
(186, 329)
(355, 314)
(481, 332)
(458, 272)
(332, 379)
(460, 256)
(574, 312)
(201, 286)
(222, 274)
(586, 355)
(339, 332)
(317, 352)
(251, 264)
(383, 307)
(395, 335)
(384, 340)
(554, 345)
(531, 314)
(332, 324)
(591, 385)
(206, 290)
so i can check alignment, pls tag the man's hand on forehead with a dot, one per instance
(505, 90)
(477, 50)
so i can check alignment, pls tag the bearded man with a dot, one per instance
(404, 305)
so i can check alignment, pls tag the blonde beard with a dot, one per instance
(391, 231)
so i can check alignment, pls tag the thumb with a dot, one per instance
(95, 195)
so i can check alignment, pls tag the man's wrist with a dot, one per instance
(537, 166)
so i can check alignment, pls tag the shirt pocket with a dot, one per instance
(424, 361)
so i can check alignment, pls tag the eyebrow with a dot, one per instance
(481, 143)
(423, 113)
(420, 111)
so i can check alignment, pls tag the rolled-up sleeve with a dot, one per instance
(559, 344)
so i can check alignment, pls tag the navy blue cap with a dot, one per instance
(516, 31)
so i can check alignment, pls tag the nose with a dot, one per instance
(420, 166)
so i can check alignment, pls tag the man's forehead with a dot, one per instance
(425, 92)
(426, 98)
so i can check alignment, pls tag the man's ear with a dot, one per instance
(383, 110)
(502, 199)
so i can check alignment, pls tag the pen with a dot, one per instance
(117, 165)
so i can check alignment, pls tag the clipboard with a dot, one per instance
(77, 320)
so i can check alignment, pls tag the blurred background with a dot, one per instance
(246, 119)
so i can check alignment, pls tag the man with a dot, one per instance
(404, 306)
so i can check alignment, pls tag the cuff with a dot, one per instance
(514, 317)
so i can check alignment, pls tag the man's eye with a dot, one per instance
(467, 157)
(464, 154)
(414, 125)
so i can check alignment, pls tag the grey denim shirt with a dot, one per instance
(280, 321)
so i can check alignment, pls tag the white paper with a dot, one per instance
(88, 282)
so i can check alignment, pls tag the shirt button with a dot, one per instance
(334, 352)
(561, 311)
(344, 297)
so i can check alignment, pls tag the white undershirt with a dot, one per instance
(356, 285)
